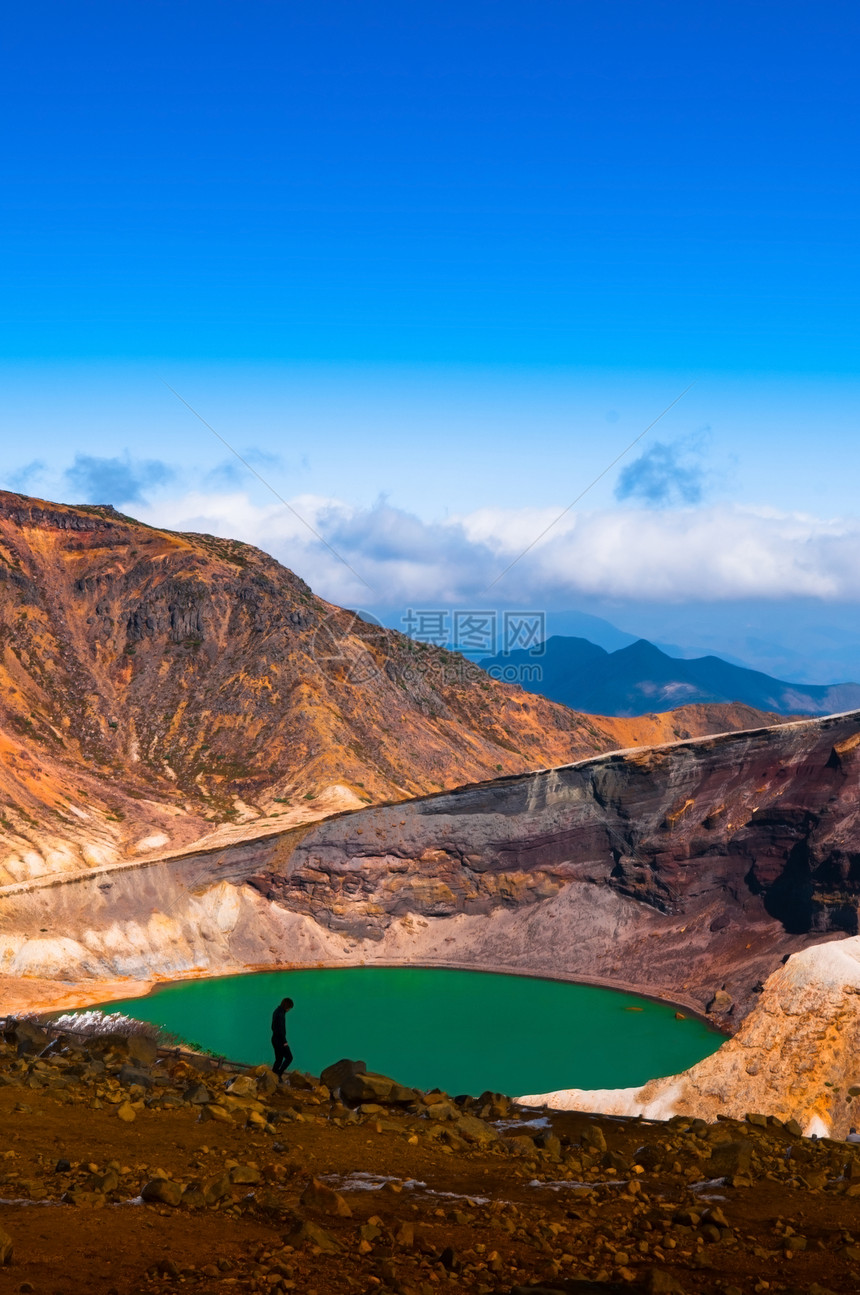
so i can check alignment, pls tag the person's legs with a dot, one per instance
(281, 1059)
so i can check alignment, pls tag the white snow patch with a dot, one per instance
(540, 1122)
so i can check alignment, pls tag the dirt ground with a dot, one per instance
(536, 1200)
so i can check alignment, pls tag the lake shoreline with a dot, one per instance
(435, 1027)
(82, 994)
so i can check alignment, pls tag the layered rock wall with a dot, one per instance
(681, 871)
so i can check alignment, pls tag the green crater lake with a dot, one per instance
(462, 1031)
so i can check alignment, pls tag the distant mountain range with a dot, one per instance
(640, 678)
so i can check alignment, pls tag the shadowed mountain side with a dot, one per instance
(640, 678)
(678, 870)
(159, 689)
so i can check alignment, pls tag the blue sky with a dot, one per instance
(430, 268)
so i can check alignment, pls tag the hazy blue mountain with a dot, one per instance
(640, 678)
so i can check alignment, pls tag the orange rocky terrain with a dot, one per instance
(126, 1172)
(158, 690)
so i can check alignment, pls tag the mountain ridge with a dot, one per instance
(159, 688)
(640, 677)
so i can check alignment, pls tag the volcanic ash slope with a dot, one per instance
(796, 1056)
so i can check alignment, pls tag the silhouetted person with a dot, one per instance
(283, 1055)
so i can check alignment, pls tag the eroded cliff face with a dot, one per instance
(758, 828)
(160, 689)
(680, 870)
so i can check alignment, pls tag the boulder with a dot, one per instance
(215, 1188)
(729, 1158)
(242, 1086)
(613, 1160)
(400, 1095)
(325, 1200)
(198, 1095)
(476, 1130)
(648, 1156)
(593, 1138)
(334, 1075)
(721, 1003)
(161, 1191)
(29, 1038)
(214, 1112)
(83, 1199)
(193, 1198)
(126, 1112)
(405, 1235)
(299, 1080)
(245, 1174)
(130, 1075)
(308, 1233)
(359, 1088)
(442, 1111)
(550, 1144)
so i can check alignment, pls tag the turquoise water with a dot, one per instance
(462, 1031)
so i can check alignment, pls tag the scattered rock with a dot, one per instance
(126, 1112)
(405, 1235)
(648, 1156)
(450, 1259)
(30, 1040)
(334, 1075)
(242, 1086)
(130, 1075)
(245, 1175)
(721, 1003)
(198, 1095)
(478, 1131)
(592, 1137)
(729, 1158)
(312, 1234)
(6, 1248)
(215, 1112)
(162, 1191)
(325, 1200)
(215, 1188)
(357, 1088)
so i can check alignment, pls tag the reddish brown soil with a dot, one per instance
(522, 1232)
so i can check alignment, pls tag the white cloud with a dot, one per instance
(705, 554)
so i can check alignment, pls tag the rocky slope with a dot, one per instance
(687, 871)
(157, 689)
(129, 1170)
